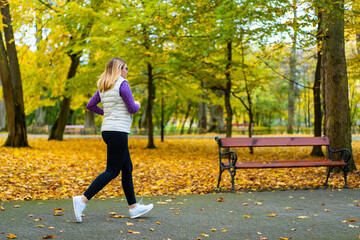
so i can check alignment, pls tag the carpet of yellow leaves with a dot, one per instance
(53, 169)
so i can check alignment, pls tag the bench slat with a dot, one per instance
(286, 164)
(274, 142)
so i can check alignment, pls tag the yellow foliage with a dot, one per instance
(62, 169)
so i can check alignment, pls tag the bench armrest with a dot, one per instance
(345, 154)
(231, 155)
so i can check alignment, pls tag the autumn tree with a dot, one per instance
(11, 82)
(334, 74)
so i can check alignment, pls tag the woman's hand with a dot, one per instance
(138, 103)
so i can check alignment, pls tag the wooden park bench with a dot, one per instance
(228, 160)
(75, 129)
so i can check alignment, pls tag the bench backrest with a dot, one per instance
(272, 141)
(74, 126)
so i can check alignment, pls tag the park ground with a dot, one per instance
(179, 178)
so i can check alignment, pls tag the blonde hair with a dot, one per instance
(112, 72)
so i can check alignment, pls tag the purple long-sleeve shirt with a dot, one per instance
(125, 93)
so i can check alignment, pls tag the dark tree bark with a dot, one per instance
(228, 90)
(317, 151)
(12, 85)
(292, 95)
(334, 73)
(57, 130)
(149, 107)
(186, 117)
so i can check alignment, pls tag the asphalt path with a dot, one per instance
(301, 214)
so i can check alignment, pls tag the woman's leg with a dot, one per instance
(127, 181)
(117, 148)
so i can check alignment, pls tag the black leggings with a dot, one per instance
(118, 159)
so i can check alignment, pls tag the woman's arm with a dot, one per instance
(126, 94)
(94, 101)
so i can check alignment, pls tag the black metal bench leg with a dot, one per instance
(219, 179)
(328, 175)
(232, 174)
(345, 176)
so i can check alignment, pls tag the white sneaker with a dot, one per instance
(79, 207)
(140, 209)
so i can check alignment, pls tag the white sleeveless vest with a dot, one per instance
(116, 114)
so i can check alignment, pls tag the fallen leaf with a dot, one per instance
(159, 223)
(245, 204)
(58, 214)
(48, 237)
(176, 213)
(30, 215)
(40, 226)
(224, 230)
(133, 232)
(220, 199)
(162, 202)
(50, 227)
(2, 209)
(151, 229)
(59, 209)
(129, 224)
(263, 238)
(213, 230)
(11, 236)
(303, 217)
(17, 206)
(258, 203)
(112, 213)
(293, 229)
(353, 226)
(205, 235)
(119, 216)
(285, 238)
(327, 210)
(140, 220)
(246, 216)
(202, 209)
(288, 208)
(272, 215)
(352, 220)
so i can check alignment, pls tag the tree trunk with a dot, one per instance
(192, 121)
(90, 120)
(12, 85)
(202, 116)
(57, 130)
(149, 108)
(186, 117)
(228, 91)
(2, 112)
(337, 123)
(291, 96)
(317, 151)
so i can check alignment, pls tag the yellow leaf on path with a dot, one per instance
(58, 214)
(2, 209)
(327, 210)
(176, 213)
(158, 223)
(133, 232)
(140, 220)
(246, 216)
(151, 229)
(272, 215)
(303, 217)
(40, 226)
(245, 204)
(50, 227)
(48, 237)
(258, 203)
(11, 236)
(162, 202)
(17, 206)
(224, 230)
(285, 238)
(213, 230)
(352, 220)
(59, 209)
(205, 235)
(112, 213)
(288, 208)
(129, 224)
(220, 199)
(119, 216)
